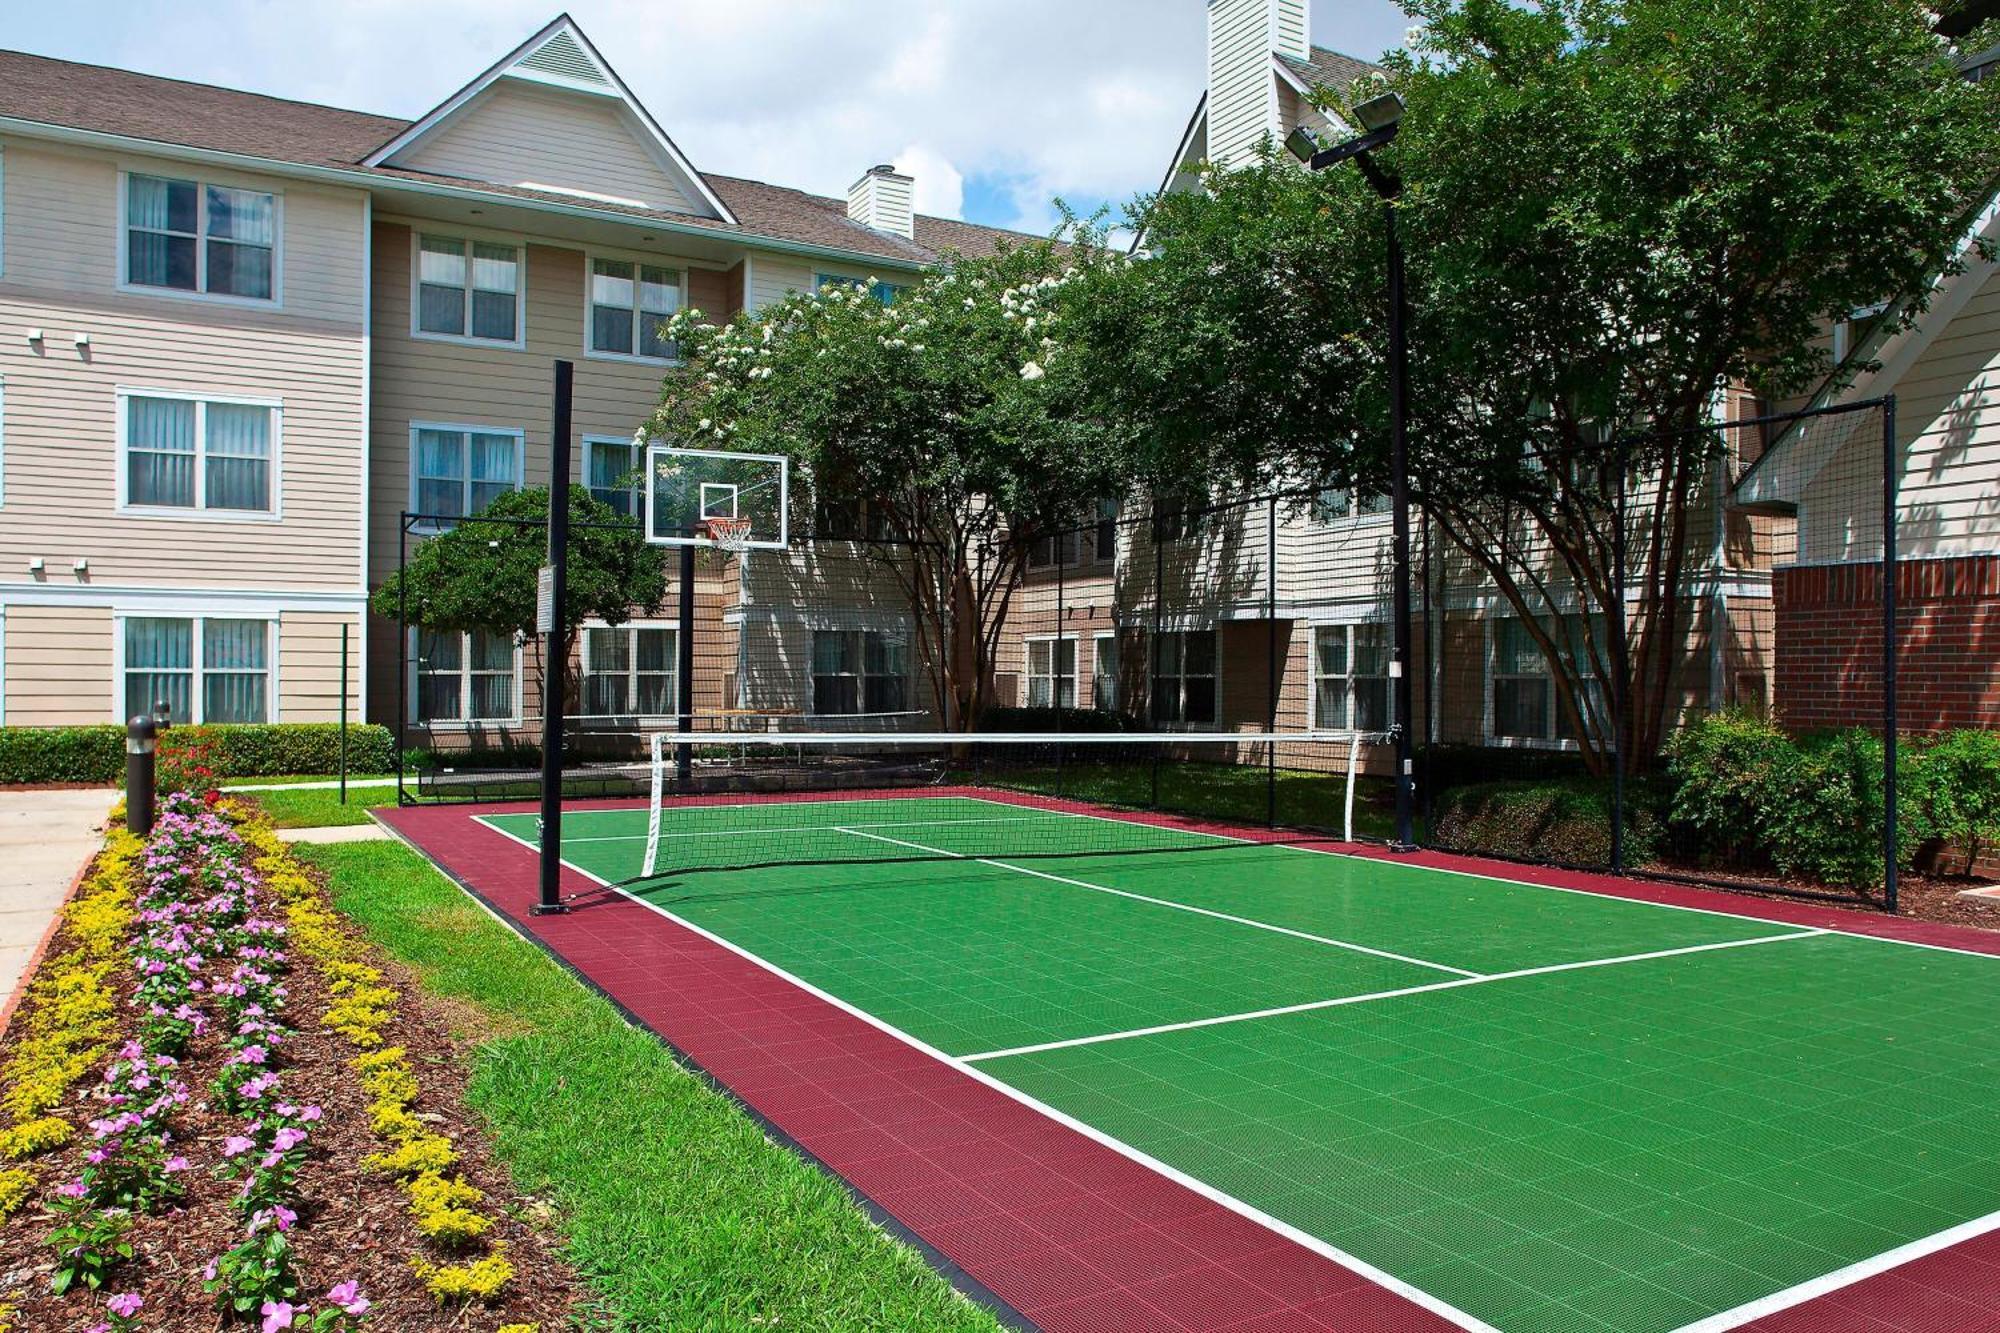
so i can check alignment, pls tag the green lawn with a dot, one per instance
(318, 807)
(679, 1212)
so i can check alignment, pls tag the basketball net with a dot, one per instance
(730, 534)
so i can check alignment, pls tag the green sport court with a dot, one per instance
(1529, 1107)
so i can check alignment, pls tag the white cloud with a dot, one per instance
(1033, 98)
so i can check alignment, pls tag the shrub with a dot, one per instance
(1723, 770)
(97, 754)
(1563, 819)
(1094, 721)
(1951, 790)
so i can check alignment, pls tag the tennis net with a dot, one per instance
(745, 800)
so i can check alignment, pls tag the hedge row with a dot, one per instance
(1565, 820)
(97, 754)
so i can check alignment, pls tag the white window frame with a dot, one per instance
(467, 237)
(590, 258)
(861, 674)
(1153, 677)
(1347, 629)
(1029, 674)
(1490, 719)
(520, 463)
(513, 719)
(196, 695)
(200, 513)
(1098, 639)
(635, 465)
(168, 171)
(632, 672)
(1356, 501)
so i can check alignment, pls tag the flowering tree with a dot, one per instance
(949, 411)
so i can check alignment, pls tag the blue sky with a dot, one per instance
(996, 106)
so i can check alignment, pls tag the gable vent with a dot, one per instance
(562, 57)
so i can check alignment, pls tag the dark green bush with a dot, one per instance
(1723, 771)
(1444, 767)
(97, 754)
(1949, 791)
(1556, 819)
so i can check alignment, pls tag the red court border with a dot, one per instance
(1051, 1225)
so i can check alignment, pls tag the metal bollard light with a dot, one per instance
(142, 739)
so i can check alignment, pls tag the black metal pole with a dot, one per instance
(343, 712)
(1891, 468)
(1399, 503)
(402, 652)
(1620, 665)
(1055, 652)
(1155, 647)
(684, 667)
(1430, 682)
(555, 649)
(141, 741)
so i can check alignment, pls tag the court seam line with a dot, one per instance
(1304, 1239)
(798, 828)
(1517, 883)
(1463, 973)
(1310, 1006)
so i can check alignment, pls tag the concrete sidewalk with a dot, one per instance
(46, 837)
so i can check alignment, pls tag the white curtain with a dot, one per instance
(154, 208)
(234, 670)
(159, 665)
(160, 452)
(239, 457)
(441, 471)
(493, 469)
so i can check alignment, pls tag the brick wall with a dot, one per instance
(1829, 644)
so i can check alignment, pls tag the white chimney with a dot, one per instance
(1242, 91)
(883, 199)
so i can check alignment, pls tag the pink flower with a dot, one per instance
(174, 1164)
(288, 1139)
(277, 1315)
(73, 1189)
(349, 1298)
(125, 1304)
(236, 1145)
(208, 1273)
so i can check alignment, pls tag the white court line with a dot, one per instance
(751, 834)
(1311, 1005)
(1839, 1278)
(856, 830)
(1306, 1239)
(906, 796)
(1502, 879)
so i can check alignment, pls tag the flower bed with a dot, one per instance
(221, 1110)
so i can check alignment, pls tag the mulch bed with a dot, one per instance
(1919, 897)
(352, 1224)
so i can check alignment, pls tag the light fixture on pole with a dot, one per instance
(1381, 117)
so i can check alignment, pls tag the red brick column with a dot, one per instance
(1829, 644)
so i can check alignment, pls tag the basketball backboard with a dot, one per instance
(687, 487)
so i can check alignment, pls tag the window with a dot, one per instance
(1052, 673)
(1104, 672)
(183, 235)
(853, 519)
(1106, 528)
(1333, 503)
(465, 677)
(459, 470)
(206, 670)
(1179, 516)
(468, 289)
(1524, 692)
(630, 305)
(884, 292)
(860, 671)
(198, 453)
(1351, 678)
(1056, 548)
(631, 670)
(610, 463)
(1184, 677)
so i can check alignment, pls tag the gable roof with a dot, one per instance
(559, 56)
(119, 108)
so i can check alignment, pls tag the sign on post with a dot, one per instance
(545, 600)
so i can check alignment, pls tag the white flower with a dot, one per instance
(703, 424)
(639, 438)
(1030, 325)
(1031, 371)
(969, 303)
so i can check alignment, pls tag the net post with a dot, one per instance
(555, 650)
(1890, 841)
(1271, 673)
(656, 754)
(1353, 766)
(1620, 659)
(684, 668)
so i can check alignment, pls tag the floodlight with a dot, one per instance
(1302, 143)
(1379, 112)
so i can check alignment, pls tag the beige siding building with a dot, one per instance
(241, 337)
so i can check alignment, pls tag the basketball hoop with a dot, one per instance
(731, 534)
